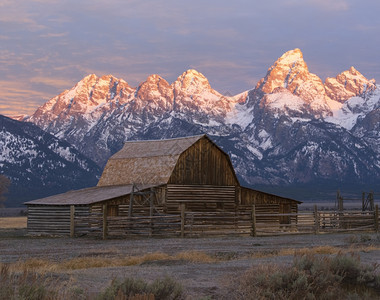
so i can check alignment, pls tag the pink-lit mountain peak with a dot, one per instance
(191, 79)
(291, 59)
(288, 85)
(289, 71)
(348, 84)
(154, 87)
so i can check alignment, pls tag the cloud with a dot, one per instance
(222, 65)
(54, 82)
(366, 28)
(17, 108)
(326, 5)
(24, 21)
(53, 35)
(14, 13)
(16, 98)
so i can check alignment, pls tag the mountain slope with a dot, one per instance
(292, 128)
(38, 164)
(99, 113)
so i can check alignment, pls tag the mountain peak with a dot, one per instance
(191, 75)
(289, 71)
(291, 57)
(192, 72)
(348, 84)
(153, 78)
(154, 87)
(89, 77)
(353, 71)
(191, 80)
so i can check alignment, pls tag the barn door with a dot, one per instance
(284, 209)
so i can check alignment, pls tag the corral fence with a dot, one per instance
(221, 223)
(316, 222)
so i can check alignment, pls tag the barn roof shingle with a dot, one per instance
(89, 196)
(151, 148)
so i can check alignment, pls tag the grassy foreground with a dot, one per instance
(311, 276)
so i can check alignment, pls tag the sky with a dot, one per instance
(47, 46)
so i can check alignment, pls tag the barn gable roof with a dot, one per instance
(152, 148)
(89, 196)
(150, 161)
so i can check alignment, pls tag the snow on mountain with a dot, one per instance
(290, 72)
(348, 84)
(39, 164)
(289, 87)
(290, 128)
(109, 110)
(368, 129)
(192, 92)
(355, 108)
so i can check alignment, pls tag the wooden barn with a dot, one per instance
(183, 186)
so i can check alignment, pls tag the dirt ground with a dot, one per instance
(235, 256)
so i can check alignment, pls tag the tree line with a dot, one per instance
(4, 185)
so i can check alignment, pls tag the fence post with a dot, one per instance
(130, 207)
(105, 227)
(151, 211)
(316, 220)
(371, 199)
(377, 218)
(254, 221)
(363, 201)
(72, 220)
(182, 206)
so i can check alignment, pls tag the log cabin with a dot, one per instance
(160, 187)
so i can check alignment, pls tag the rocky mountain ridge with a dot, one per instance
(290, 128)
(39, 164)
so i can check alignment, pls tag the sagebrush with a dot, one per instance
(162, 289)
(309, 277)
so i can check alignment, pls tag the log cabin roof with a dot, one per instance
(149, 161)
(90, 195)
(151, 148)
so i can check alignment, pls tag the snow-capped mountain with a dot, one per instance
(305, 130)
(291, 128)
(39, 164)
(100, 113)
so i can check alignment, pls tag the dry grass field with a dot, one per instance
(13, 222)
(205, 267)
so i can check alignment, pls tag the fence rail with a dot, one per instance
(239, 222)
(319, 222)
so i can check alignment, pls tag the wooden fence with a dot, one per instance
(240, 222)
(96, 224)
(217, 223)
(317, 222)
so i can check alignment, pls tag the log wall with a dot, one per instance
(48, 220)
(200, 198)
(249, 197)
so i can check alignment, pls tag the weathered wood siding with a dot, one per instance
(48, 220)
(249, 197)
(269, 204)
(204, 164)
(200, 198)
